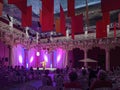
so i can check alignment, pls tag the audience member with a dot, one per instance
(101, 81)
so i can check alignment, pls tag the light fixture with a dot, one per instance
(38, 53)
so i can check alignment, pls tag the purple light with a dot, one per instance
(20, 59)
(31, 59)
(27, 65)
(38, 53)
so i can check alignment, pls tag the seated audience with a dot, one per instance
(101, 81)
(46, 80)
(73, 81)
(83, 79)
(58, 78)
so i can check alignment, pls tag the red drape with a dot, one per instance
(77, 25)
(101, 30)
(62, 21)
(27, 17)
(108, 5)
(21, 4)
(47, 15)
(71, 6)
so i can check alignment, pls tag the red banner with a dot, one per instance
(57, 25)
(21, 4)
(101, 30)
(1, 1)
(27, 17)
(106, 18)
(77, 24)
(71, 7)
(108, 5)
(47, 15)
(62, 21)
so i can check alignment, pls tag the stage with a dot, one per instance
(51, 69)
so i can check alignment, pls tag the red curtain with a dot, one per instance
(77, 25)
(21, 4)
(62, 21)
(106, 18)
(47, 15)
(101, 30)
(108, 5)
(71, 6)
(27, 17)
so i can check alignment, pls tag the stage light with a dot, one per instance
(58, 58)
(45, 58)
(20, 59)
(38, 53)
(31, 59)
(27, 65)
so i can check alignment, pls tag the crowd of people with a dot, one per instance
(82, 78)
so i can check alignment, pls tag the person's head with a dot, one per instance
(46, 72)
(84, 72)
(102, 75)
(73, 76)
(58, 71)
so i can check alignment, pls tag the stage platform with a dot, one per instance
(51, 69)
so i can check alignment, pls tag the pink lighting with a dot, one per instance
(20, 59)
(31, 59)
(38, 53)
(45, 58)
(58, 58)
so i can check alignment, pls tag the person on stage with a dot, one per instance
(44, 64)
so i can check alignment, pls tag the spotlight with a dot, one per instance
(38, 53)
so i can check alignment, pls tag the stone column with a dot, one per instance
(107, 61)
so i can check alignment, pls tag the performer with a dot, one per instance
(44, 64)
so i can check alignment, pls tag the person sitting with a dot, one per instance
(58, 79)
(73, 81)
(101, 81)
(46, 80)
(83, 79)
